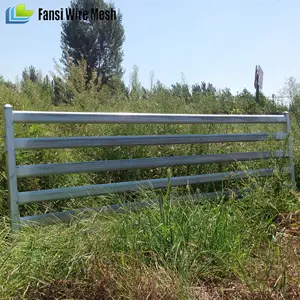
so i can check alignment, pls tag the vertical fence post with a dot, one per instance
(11, 168)
(287, 129)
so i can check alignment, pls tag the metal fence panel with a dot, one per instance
(13, 171)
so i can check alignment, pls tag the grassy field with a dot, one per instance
(232, 248)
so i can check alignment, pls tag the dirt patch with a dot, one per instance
(289, 223)
(238, 291)
(134, 284)
(275, 277)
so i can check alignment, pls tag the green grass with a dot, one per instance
(189, 242)
(172, 250)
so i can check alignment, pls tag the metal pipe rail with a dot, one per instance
(15, 171)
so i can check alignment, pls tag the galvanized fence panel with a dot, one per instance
(17, 198)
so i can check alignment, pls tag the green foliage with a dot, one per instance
(193, 242)
(135, 85)
(99, 42)
(6, 83)
(189, 241)
(32, 74)
(203, 89)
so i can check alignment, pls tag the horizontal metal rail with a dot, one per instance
(140, 140)
(139, 118)
(111, 188)
(66, 216)
(140, 163)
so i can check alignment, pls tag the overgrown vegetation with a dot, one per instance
(184, 245)
(175, 250)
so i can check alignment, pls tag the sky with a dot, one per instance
(217, 41)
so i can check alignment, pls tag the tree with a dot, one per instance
(290, 91)
(181, 90)
(135, 84)
(7, 84)
(32, 74)
(61, 92)
(204, 89)
(99, 42)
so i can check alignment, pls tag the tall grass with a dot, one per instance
(154, 253)
(188, 242)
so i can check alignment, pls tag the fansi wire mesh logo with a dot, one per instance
(18, 14)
